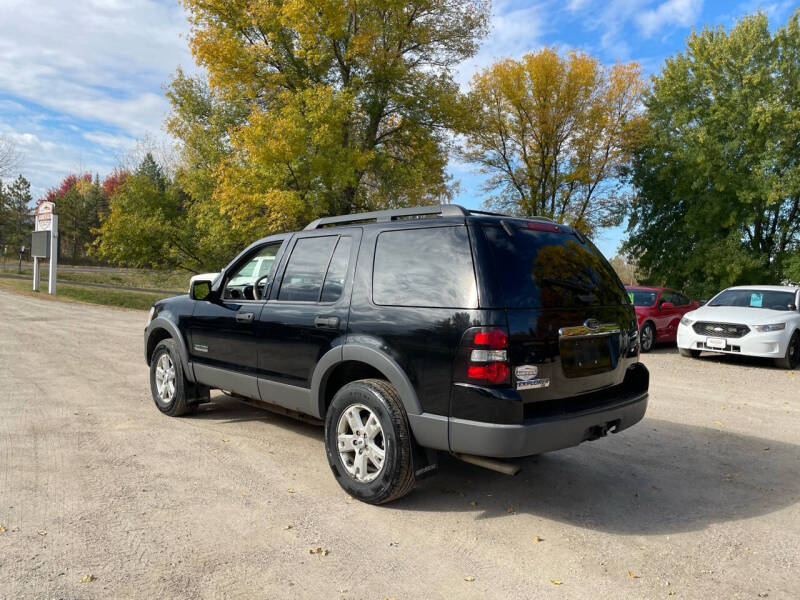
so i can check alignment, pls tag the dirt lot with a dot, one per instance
(700, 500)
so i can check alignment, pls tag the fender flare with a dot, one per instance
(372, 357)
(174, 332)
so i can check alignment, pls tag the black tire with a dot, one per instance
(792, 358)
(177, 404)
(647, 338)
(689, 353)
(396, 475)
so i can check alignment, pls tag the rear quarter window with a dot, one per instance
(542, 269)
(425, 267)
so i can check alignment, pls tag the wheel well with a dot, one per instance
(344, 373)
(156, 336)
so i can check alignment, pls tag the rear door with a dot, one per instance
(306, 314)
(568, 313)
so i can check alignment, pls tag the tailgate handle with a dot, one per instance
(326, 322)
(244, 317)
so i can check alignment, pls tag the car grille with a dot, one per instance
(728, 330)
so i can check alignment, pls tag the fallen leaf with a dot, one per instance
(394, 543)
(2, 529)
(289, 526)
(87, 578)
(473, 503)
(319, 550)
(290, 490)
(632, 575)
(556, 581)
(469, 578)
(537, 539)
(42, 532)
(225, 441)
(510, 510)
(718, 424)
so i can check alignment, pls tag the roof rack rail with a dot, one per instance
(381, 216)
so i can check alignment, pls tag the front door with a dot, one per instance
(222, 341)
(306, 315)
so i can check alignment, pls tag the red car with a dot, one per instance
(658, 310)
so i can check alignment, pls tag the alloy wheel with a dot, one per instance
(361, 443)
(165, 379)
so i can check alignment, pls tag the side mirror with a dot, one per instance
(665, 305)
(200, 289)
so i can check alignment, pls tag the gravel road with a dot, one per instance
(699, 500)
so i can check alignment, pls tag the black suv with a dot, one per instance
(409, 332)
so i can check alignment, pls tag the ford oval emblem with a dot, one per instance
(592, 324)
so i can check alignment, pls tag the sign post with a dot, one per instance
(45, 244)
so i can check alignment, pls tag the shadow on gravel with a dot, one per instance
(229, 410)
(658, 477)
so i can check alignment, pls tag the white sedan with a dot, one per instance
(761, 320)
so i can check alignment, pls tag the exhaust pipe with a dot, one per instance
(493, 464)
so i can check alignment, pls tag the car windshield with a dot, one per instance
(642, 297)
(769, 299)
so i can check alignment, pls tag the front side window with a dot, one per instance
(427, 267)
(305, 272)
(255, 269)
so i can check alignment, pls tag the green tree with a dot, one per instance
(80, 203)
(346, 104)
(718, 170)
(16, 223)
(553, 133)
(150, 224)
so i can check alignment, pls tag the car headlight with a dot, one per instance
(686, 321)
(150, 316)
(772, 327)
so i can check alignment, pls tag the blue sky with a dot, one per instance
(81, 82)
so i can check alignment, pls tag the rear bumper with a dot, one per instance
(544, 435)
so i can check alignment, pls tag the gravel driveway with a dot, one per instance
(699, 500)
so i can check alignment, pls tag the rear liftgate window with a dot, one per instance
(539, 268)
(427, 267)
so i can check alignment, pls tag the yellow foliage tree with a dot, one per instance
(553, 133)
(347, 103)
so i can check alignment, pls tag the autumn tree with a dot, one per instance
(323, 107)
(718, 173)
(80, 204)
(552, 133)
(10, 156)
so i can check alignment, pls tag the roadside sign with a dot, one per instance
(44, 216)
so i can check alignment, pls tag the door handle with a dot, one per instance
(326, 322)
(244, 317)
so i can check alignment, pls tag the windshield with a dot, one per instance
(769, 299)
(642, 297)
(551, 270)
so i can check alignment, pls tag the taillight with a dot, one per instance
(486, 353)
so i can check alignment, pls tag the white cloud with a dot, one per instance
(513, 33)
(80, 78)
(671, 12)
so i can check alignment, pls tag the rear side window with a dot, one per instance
(543, 269)
(429, 267)
(302, 281)
(337, 271)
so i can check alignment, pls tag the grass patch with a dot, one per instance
(116, 298)
(141, 278)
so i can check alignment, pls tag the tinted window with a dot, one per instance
(546, 269)
(667, 296)
(755, 298)
(642, 297)
(337, 271)
(302, 281)
(424, 267)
